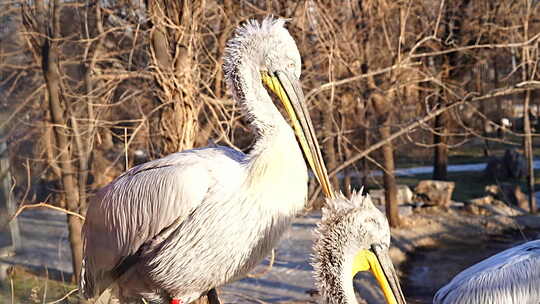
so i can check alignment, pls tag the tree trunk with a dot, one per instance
(347, 180)
(528, 73)
(226, 30)
(84, 133)
(383, 109)
(453, 18)
(6, 185)
(440, 164)
(389, 178)
(480, 81)
(499, 101)
(176, 74)
(366, 132)
(51, 72)
(329, 147)
(527, 147)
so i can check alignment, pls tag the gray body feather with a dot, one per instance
(509, 277)
(194, 220)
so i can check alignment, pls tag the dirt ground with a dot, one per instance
(432, 246)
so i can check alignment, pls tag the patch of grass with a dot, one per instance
(471, 152)
(469, 185)
(30, 288)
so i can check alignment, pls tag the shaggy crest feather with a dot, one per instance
(346, 226)
(244, 38)
(341, 203)
(257, 47)
(247, 46)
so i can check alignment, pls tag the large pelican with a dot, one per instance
(509, 277)
(353, 236)
(174, 228)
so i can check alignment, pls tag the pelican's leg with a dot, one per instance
(213, 297)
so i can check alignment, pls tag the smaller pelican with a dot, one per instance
(353, 236)
(509, 277)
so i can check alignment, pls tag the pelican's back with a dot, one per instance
(509, 277)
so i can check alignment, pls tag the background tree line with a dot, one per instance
(91, 88)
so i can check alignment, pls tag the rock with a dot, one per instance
(404, 195)
(492, 190)
(511, 165)
(433, 192)
(478, 206)
(454, 204)
(495, 168)
(514, 163)
(510, 193)
(500, 208)
(475, 209)
(5, 271)
(521, 199)
(504, 200)
(403, 210)
(488, 205)
(377, 196)
(486, 200)
(500, 203)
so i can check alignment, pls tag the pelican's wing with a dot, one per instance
(509, 277)
(143, 202)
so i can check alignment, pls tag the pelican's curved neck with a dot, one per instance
(336, 278)
(256, 101)
(275, 136)
(347, 290)
(276, 153)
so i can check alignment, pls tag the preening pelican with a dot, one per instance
(174, 228)
(353, 236)
(509, 277)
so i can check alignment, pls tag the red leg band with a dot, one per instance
(176, 301)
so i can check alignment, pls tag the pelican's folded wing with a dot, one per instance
(136, 207)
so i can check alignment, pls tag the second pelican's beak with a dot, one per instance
(378, 262)
(290, 94)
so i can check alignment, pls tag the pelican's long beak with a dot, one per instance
(290, 94)
(378, 262)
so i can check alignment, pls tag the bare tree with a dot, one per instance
(382, 106)
(49, 28)
(99, 81)
(451, 67)
(174, 39)
(529, 71)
